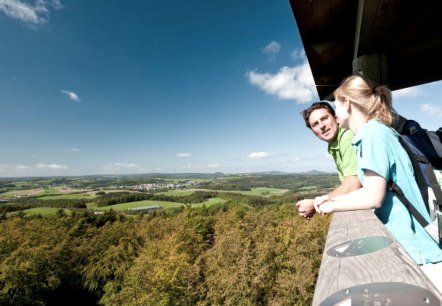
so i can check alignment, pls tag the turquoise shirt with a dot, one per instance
(343, 154)
(378, 149)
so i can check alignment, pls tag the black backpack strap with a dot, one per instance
(419, 176)
(399, 123)
(436, 142)
(425, 178)
(434, 184)
(413, 211)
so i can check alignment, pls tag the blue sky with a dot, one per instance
(139, 86)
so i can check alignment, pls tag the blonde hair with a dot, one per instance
(373, 101)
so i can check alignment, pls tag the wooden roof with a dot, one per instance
(407, 34)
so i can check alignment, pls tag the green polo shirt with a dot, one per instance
(344, 155)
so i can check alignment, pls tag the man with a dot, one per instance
(321, 119)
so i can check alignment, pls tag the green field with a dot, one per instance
(210, 202)
(163, 204)
(68, 196)
(47, 193)
(43, 211)
(126, 206)
(184, 192)
(266, 192)
(259, 191)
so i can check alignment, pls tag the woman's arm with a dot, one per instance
(371, 195)
(348, 184)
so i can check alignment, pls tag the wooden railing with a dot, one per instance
(379, 272)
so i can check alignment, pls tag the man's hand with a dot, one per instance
(306, 208)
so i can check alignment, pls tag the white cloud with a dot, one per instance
(72, 95)
(272, 48)
(431, 109)
(298, 54)
(74, 149)
(213, 166)
(36, 13)
(128, 165)
(257, 155)
(288, 83)
(50, 166)
(184, 155)
(410, 92)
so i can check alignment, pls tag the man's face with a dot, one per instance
(323, 125)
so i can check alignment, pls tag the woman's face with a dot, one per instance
(342, 113)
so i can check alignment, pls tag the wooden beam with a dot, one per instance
(373, 66)
(390, 264)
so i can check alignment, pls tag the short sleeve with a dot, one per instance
(348, 155)
(376, 154)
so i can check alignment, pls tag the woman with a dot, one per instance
(367, 110)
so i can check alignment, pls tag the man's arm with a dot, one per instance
(350, 180)
(306, 207)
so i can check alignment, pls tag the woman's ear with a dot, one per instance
(347, 105)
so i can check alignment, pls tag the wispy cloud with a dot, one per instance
(411, 92)
(74, 149)
(183, 155)
(31, 170)
(188, 166)
(213, 166)
(72, 95)
(272, 48)
(298, 54)
(431, 110)
(289, 83)
(33, 13)
(257, 155)
(50, 166)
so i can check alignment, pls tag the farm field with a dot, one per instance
(41, 211)
(259, 191)
(163, 204)
(126, 206)
(47, 196)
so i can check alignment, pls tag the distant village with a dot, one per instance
(163, 186)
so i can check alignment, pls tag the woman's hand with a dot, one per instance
(323, 204)
(325, 208)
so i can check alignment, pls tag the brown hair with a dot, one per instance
(373, 101)
(317, 105)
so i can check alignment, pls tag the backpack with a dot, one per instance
(425, 151)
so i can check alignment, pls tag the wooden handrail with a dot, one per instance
(390, 264)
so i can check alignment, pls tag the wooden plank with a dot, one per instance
(390, 264)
